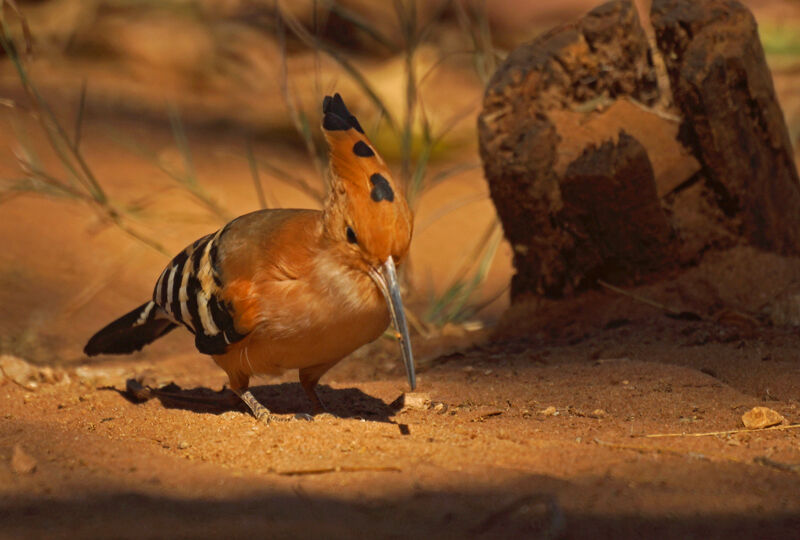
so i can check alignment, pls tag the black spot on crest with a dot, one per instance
(362, 149)
(381, 190)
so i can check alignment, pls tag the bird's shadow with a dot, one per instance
(284, 398)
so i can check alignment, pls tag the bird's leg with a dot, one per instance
(259, 411)
(316, 404)
(239, 383)
(263, 414)
(309, 377)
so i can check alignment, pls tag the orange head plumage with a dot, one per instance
(366, 210)
(366, 217)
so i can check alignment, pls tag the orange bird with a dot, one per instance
(289, 289)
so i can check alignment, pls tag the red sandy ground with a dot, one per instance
(488, 463)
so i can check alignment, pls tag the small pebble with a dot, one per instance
(761, 417)
(419, 401)
(22, 462)
(101, 377)
(183, 445)
(19, 371)
(549, 411)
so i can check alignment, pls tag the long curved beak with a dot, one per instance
(386, 280)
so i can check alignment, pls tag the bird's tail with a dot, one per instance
(131, 332)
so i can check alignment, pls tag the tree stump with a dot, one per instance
(733, 123)
(592, 182)
(628, 233)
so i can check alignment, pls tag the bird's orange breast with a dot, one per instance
(298, 302)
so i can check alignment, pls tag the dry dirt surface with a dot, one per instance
(521, 439)
(573, 421)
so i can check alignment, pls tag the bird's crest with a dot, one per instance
(362, 188)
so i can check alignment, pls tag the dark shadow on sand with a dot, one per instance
(284, 398)
(528, 508)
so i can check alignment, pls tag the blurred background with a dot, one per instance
(130, 128)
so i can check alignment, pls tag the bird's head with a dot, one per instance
(366, 209)
(366, 216)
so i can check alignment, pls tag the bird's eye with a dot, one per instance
(351, 236)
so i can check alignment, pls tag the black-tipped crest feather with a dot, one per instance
(337, 117)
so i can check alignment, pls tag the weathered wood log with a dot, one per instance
(722, 85)
(600, 58)
(612, 212)
(580, 202)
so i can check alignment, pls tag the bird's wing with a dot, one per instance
(228, 283)
(190, 289)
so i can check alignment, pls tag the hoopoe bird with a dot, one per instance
(286, 289)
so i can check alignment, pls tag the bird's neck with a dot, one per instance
(343, 280)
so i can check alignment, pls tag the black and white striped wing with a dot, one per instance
(189, 290)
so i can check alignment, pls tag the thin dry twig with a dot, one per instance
(767, 462)
(420, 327)
(484, 417)
(81, 183)
(447, 209)
(665, 450)
(90, 291)
(262, 200)
(641, 299)
(522, 504)
(729, 432)
(76, 141)
(296, 113)
(328, 470)
(23, 22)
(314, 42)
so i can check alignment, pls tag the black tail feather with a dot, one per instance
(130, 332)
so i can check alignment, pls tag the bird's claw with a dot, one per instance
(270, 418)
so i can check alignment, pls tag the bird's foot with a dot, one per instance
(269, 417)
(305, 417)
(261, 413)
(264, 415)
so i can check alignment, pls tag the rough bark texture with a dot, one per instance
(603, 56)
(628, 234)
(580, 201)
(723, 87)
